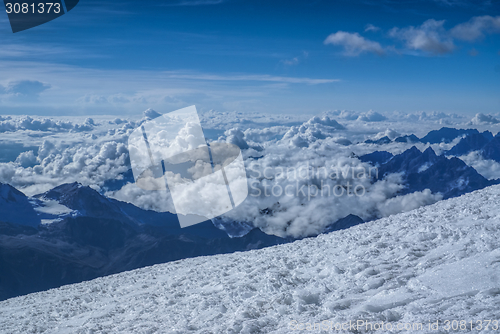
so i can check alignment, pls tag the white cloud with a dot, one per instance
(481, 118)
(490, 169)
(24, 90)
(408, 202)
(316, 128)
(159, 201)
(43, 124)
(353, 43)
(26, 159)
(476, 28)
(345, 114)
(390, 133)
(150, 114)
(237, 137)
(266, 134)
(372, 116)
(54, 165)
(430, 37)
(371, 27)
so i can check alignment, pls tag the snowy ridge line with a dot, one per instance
(439, 262)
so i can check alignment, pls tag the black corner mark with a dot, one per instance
(70, 4)
(26, 14)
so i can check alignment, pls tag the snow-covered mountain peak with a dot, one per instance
(83, 199)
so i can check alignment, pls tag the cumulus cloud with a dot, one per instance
(291, 193)
(117, 121)
(345, 114)
(314, 129)
(476, 28)
(430, 37)
(354, 44)
(408, 202)
(150, 114)
(490, 169)
(236, 137)
(26, 90)
(372, 116)
(390, 133)
(483, 119)
(43, 124)
(26, 159)
(266, 134)
(54, 165)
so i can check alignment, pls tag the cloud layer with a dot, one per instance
(278, 151)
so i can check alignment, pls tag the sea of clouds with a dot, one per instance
(289, 159)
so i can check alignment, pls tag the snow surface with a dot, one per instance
(50, 211)
(439, 262)
(52, 207)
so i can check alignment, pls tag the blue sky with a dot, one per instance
(122, 57)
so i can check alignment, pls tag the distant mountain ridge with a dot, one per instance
(425, 170)
(446, 135)
(485, 143)
(443, 135)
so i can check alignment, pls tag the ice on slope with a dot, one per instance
(440, 262)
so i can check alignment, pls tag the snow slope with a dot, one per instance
(440, 262)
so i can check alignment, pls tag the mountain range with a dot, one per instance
(443, 135)
(425, 170)
(73, 233)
